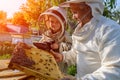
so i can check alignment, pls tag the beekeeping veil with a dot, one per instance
(96, 6)
(58, 13)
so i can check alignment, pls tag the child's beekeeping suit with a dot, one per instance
(61, 37)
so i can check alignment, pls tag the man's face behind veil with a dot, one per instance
(79, 10)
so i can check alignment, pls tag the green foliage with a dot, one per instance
(5, 56)
(110, 10)
(72, 70)
(6, 48)
(110, 5)
(57, 2)
(116, 16)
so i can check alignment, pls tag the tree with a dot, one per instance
(110, 10)
(18, 19)
(32, 9)
(3, 21)
(110, 5)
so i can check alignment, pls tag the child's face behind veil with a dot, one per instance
(53, 24)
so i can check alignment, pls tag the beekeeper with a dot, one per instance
(95, 42)
(55, 23)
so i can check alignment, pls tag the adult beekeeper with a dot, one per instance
(54, 23)
(95, 42)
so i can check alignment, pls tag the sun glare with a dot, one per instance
(10, 6)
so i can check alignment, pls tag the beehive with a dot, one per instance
(35, 62)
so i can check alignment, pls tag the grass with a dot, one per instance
(72, 70)
(5, 56)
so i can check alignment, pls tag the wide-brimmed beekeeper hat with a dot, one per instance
(96, 5)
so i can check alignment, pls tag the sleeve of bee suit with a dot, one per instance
(68, 38)
(45, 39)
(70, 56)
(64, 46)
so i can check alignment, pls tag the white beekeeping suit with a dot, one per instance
(96, 46)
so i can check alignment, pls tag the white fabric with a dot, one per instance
(97, 8)
(96, 49)
(66, 4)
(96, 5)
(45, 38)
(60, 10)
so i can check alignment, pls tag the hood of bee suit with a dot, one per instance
(96, 6)
(60, 14)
